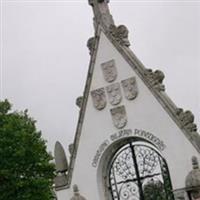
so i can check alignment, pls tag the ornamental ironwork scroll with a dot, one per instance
(130, 88)
(138, 172)
(99, 98)
(114, 93)
(109, 71)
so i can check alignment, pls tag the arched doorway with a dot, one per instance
(138, 172)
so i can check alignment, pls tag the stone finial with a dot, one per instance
(77, 195)
(120, 34)
(60, 158)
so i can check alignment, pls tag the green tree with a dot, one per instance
(26, 170)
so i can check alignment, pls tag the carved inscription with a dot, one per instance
(124, 134)
(99, 152)
(109, 71)
(119, 116)
(152, 138)
(130, 88)
(121, 134)
(99, 98)
(114, 93)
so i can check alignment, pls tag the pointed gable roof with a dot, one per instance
(118, 36)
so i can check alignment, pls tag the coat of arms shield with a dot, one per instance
(114, 93)
(130, 88)
(109, 71)
(119, 116)
(99, 98)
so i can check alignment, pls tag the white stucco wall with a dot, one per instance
(144, 113)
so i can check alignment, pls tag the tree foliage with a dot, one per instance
(154, 190)
(26, 171)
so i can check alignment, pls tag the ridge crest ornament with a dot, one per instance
(120, 33)
(119, 116)
(130, 88)
(114, 93)
(99, 98)
(109, 71)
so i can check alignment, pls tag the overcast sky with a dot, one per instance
(44, 59)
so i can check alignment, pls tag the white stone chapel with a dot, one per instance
(131, 142)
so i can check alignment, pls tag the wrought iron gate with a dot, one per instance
(138, 172)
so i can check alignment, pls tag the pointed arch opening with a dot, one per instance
(133, 169)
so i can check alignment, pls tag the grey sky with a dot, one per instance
(45, 59)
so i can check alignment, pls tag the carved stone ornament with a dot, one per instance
(120, 33)
(119, 116)
(130, 88)
(114, 93)
(77, 195)
(91, 44)
(109, 71)
(99, 98)
(155, 79)
(79, 101)
(186, 119)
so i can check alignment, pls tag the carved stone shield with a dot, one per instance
(99, 98)
(109, 71)
(119, 116)
(130, 88)
(114, 93)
